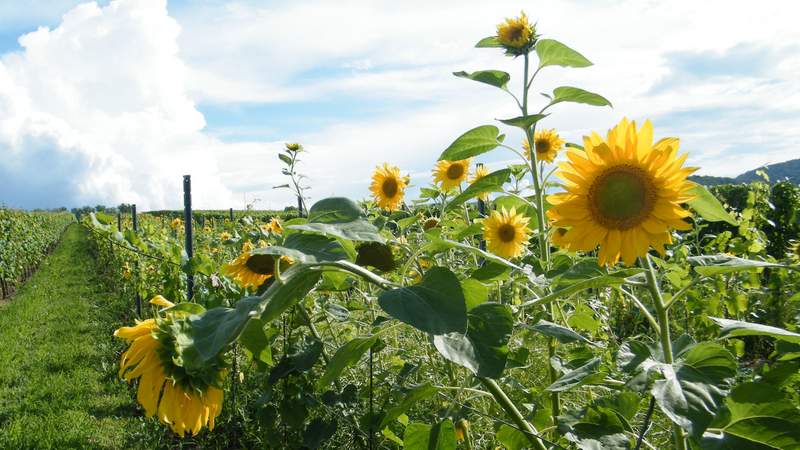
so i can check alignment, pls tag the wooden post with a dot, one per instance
(136, 264)
(187, 223)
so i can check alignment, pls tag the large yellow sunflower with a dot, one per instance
(451, 173)
(252, 270)
(506, 233)
(388, 187)
(480, 172)
(182, 402)
(547, 143)
(515, 33)
(275, 225)
(623, 193)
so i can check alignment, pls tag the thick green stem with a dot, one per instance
(544, 247)
(662, 316)
(512, 411)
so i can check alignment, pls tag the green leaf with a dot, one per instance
(214, 330)
(562, 334)
(418, 394)
(492, 182)
(595, 428)
(475, 292)
(318, 432)
(300, 359)
(512, 438)
(577, 95)
(255, 341)
(285, 158)
(488, 42)
(496, 78)
(435, 306)
(612, 279)
(709, 265)
(347, 355)
(524, 122)
(339, 217)
(472, 143)
(306, 248)
(437, 245)
(554, 53)
(484, 348)
(757, 416)
(585, 374)
(420, 436)
(281, 296)
(707, 205)
(491, 272)
(737, 328)
(693, 388)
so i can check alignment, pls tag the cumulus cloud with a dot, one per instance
(96, 111)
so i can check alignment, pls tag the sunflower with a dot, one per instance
(547, 143)
(516, 33)
(252, 270)
(225, 236)
(184, 402)
(388, 187)
(451, 173)
(480, 172)
(506, 233)
(176, 223)
(159, 300)
(275, 225)
(623, 194)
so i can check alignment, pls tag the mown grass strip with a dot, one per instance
(58, 387)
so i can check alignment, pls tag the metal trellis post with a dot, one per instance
(187, 223)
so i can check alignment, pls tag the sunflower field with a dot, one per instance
(588, 296)
(25, 239)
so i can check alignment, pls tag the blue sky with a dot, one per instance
(123, 97)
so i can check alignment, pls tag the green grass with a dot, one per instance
(58, 384)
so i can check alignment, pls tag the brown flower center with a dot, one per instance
(261, 264)
(622, 197)
(542, 146)
(390, 187)
(506, 232)
(455, 171)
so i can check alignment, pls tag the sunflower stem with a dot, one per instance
(666, 343)
(508, 406)
(544, 248)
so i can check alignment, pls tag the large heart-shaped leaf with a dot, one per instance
(472, 143)
(757, 416)
(306, 248)
(436, 305)
(693, 388)
(584, 374)
(554, 53)
(707, 205)
(595, 428)
(341, 218)
(484, 348)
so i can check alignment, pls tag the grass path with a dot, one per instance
(58, 385)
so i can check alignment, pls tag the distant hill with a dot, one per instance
(777, 172)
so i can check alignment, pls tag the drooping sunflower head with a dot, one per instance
(516, 34)
(623, 193)
(252, 269)
(506, 232)
(451, 173)
(176, 223)
(480, 172)
(388, 187)
(184, 401)
(547, 143)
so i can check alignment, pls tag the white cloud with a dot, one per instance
(95, 110)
